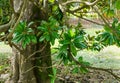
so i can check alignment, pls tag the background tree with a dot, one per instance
(34, 26)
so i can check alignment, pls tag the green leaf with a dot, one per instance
(118, 4)
(29, 30)
(22, 23)
(24, 44)
(54, 8)
(86, 63)
(83, 70)
(53, 77)
(42, 38)
(63, 48)
(65, 60)
(107, 28)
(54, 71)
(79, 39)
(71, 33)
(33, 39)
(17, 38)
(42, 28)
(75, 70)
(111, 12)
(80, 59)
(67, 36)
(81, 45)
(27, 39)
(65, 42)
(73, 49)
(47, 37)
(30, 23)
(52, 41)
(52, 1)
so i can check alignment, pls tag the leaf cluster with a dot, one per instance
(24, 34)
(49, 30)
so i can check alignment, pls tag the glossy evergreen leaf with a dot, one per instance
(33, 39)
(80, 59)
(75, 70)
(42, 38)
(83, 70)
(73, 49)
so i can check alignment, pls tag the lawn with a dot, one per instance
(109, 57)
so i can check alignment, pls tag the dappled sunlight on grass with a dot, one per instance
(109, 57)
(5, 48)
(92, 31)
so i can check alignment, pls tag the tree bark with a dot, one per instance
(37, 68)
(45, 64)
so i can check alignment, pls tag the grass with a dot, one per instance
(106, 58)
(4, 62)
(5, 53)
(5, 48)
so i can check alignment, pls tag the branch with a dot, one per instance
(5, 27)
(80, 8)
(80, 1)
(90, 67)
(106, 23)
(20, 50)
(36, 52)
(104, 20)
(19, 18)
(85, 18)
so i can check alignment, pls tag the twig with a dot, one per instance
(36, 52)
(39, 68)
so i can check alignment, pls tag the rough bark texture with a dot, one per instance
(37, 68)
(45, 64)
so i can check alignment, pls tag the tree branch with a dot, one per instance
(5, 27)
(36, 52)
(80, 1)
(90, 67)
(85, 18)
(106, 23)
(19, 18)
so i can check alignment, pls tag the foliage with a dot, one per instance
(5, 11)
(108, 37)
(49, 30)
(72, 39)
(24, 34)
(53, 77)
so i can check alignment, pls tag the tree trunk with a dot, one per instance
(37, 68)
(44, 62)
